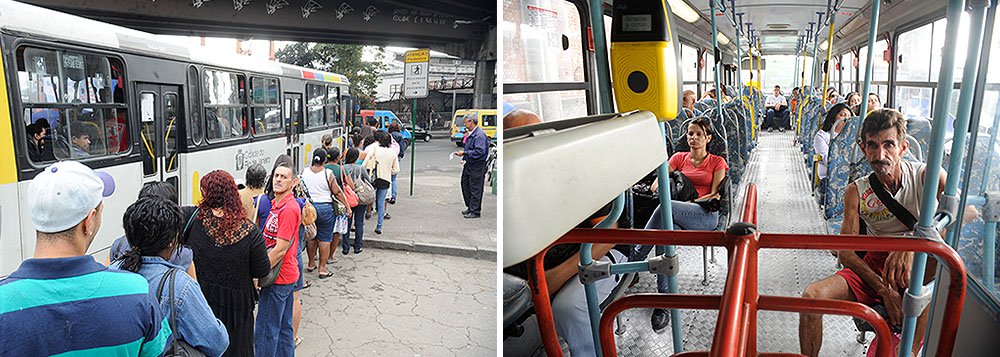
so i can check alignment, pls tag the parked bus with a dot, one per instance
(152, 110)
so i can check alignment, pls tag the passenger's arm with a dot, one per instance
(898, 264)
(260, 263)
(200, 328)
(822, 147)
(716, 181)
(556, 277)
(655, 187)
(279, 250)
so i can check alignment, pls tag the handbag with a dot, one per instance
(178, 348)
(365, 191)
(352, 198)
(681, 188)
(339, 208)
(271, 276)
(308, 213)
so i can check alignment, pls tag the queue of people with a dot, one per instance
(188, 278)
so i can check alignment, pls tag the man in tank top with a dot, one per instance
(879, 277)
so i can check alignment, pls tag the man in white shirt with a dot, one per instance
(776, 105)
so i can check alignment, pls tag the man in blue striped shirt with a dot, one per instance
(61, 301)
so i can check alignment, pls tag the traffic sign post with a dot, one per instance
(415, 69)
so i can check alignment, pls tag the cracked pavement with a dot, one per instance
(395, 303)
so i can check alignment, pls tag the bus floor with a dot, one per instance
(784, 205)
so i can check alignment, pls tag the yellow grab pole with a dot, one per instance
(829, 49)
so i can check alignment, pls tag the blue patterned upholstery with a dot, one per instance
(839, 168)
(920, 129)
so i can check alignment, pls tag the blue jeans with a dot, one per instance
(273, 331)
(298, 255)
(358, 218)
(324, 221)
(687, 216)
(380, 194)
(394, 187)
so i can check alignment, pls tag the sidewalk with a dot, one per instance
(430, 221)
(392, 303)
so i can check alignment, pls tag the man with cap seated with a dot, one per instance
(63, 302)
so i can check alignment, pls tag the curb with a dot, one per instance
(411, 246)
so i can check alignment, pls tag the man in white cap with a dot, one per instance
(61, 301)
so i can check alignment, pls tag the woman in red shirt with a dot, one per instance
(705, 171)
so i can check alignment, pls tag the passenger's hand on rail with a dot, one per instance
(893, 305)
(655, 186)
(896, 273)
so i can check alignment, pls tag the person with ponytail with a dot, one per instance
(152, 226)
(229, 251)
(183, 255)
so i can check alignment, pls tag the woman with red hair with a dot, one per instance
(231, 249)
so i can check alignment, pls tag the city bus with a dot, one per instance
(152, 110)
(607, 78)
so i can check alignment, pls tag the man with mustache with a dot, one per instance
(879, 277)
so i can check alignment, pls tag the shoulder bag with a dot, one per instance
(365, 191)
(179, 348)
(897, 209)
(339, 208)
(352, 198)
(681, 188)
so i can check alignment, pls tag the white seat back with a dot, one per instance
(555, 176)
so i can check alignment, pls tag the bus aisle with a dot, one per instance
(784, 205)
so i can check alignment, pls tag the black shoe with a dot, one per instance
(378, 231)
(357, 251)
(346, 250)
(387, 216)
(770, 130)
(781, 130)
(392, 201)
(466, 211)
(471, 215)
(660, 320)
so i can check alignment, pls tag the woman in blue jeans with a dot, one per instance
(357, 174)
(705, 171)
(322, 189)
(384, 163)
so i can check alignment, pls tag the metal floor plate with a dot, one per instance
(784, 205)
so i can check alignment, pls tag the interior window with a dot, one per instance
(315, 100)
(225, 111)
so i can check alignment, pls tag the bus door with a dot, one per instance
(160, 108)
(294, 123)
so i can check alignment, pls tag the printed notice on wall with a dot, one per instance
(637, 23)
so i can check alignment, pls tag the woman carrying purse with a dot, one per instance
(360, 180)
(322, 188)
(343, 204)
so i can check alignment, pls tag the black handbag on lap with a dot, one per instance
(681, 188)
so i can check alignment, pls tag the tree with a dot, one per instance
(342, 59)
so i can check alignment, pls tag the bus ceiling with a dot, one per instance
(462, 29)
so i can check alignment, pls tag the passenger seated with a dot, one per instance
(38, 148)
(832, 97)
(854, 101)
(874, 102)
(705, 171)
(879, 277)
(79, 140)
(776, 108)
(835, 120)
(688, 103)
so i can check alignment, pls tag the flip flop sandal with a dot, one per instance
(298, 341)
(325, 275)
(310, 270)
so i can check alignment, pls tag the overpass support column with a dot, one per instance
(484, 85)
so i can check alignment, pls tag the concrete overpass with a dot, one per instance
(465, 29)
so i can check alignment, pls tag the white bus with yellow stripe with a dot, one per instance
(152, 109)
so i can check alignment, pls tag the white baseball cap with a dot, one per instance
(62, 195)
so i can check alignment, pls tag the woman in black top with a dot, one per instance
(229, 252)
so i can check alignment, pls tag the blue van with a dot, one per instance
(386, 117)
